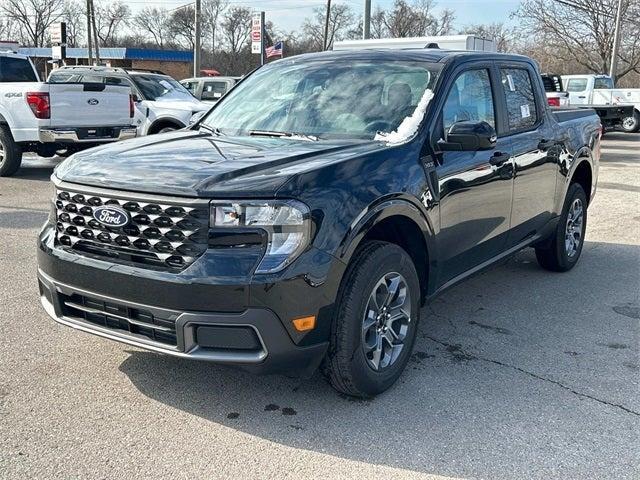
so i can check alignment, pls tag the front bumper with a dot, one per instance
(86, 135)
(254, 340)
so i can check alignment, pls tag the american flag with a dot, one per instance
(275, 51)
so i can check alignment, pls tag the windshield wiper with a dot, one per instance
(291, 135)
(214, 130)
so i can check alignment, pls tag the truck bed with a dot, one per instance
(610, 115)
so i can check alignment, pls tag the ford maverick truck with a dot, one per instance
(304, 220)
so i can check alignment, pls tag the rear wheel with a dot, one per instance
(10, 153)
(376, 321)
(565, 247)
(631, 124)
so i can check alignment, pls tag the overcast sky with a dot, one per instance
(289, 14)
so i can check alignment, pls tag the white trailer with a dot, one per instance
(446, 42)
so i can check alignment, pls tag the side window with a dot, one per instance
(520, 98)
(577, 85)
(470, 98)
(213, 90)
(16, 70)
(603, 83)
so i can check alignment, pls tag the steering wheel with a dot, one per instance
(379, 126)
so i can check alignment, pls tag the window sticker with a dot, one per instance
(512, 86)
(524, 111)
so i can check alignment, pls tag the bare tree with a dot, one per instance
(182, 26)
(73, 14)
(580, 32)
(212, 10)
(341, 20)
(417, 18)
(110, 17)
(378, 27)
(236, 25)
(33, 18)
(154, 23)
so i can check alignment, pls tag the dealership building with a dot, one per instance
(177, 63)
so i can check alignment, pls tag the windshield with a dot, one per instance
(324, 99)
(160, 87)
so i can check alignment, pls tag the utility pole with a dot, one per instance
(89, 32)
(366, 27)
(196, 43)
(95, 32)
(613, 71)
(326, 26)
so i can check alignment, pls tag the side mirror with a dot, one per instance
(135, 98)
(469, 136)
(196, 117)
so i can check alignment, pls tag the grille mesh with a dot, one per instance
(158, 235)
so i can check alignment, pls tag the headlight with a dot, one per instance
(287, 224)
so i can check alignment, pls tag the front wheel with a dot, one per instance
(376, 321)
(564, 250)
(631, 124)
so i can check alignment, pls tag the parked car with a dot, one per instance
(598, 90)
(44, 118)
(162, 103)
(209, 89)
(310, 214)
(612, 116)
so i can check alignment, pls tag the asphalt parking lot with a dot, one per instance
(517, 373)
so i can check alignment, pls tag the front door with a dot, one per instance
(475, 186)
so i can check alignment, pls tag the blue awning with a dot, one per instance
(117, 54)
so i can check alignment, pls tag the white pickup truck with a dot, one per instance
(599, 90)
(46, 118)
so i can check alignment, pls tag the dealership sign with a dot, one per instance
(257, 22)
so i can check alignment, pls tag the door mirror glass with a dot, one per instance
(469, 136)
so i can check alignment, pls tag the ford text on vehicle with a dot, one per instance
(305, 220)
(45, 118)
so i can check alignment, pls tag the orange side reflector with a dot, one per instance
(304, 324)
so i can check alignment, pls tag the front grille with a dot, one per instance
(131, 321)
(161, 235)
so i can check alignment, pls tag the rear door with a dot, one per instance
(89, 104)
(534, 150)
(578, 89)
(475, 186)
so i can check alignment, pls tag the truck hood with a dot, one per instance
(198, 164)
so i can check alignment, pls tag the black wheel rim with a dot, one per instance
(386, 321)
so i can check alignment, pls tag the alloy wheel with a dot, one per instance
(573, 232)
(629, 123)
(386, 321)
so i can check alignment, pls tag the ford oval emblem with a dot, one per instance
(114, 217)
(93, 101)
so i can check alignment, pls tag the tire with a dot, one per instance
(631, 124)
(562, 254)
(166, 129)
(349, 365)
(10, 153)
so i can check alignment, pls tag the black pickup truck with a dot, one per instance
(305, 220)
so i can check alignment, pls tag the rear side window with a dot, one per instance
(470, 98)
(213, 90)
(603, 83)
(577, 85)
(16, 70)
(520, 98)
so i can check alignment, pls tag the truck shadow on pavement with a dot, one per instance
(515, 368)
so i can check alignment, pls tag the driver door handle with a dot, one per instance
(499, 158)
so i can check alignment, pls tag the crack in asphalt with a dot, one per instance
(531, 374)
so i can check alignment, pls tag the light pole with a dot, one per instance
(366, 27)
(326, 27)
(196, 44)
(613, 71)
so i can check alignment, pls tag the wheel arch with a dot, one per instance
(162, 122)
(400, 222)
